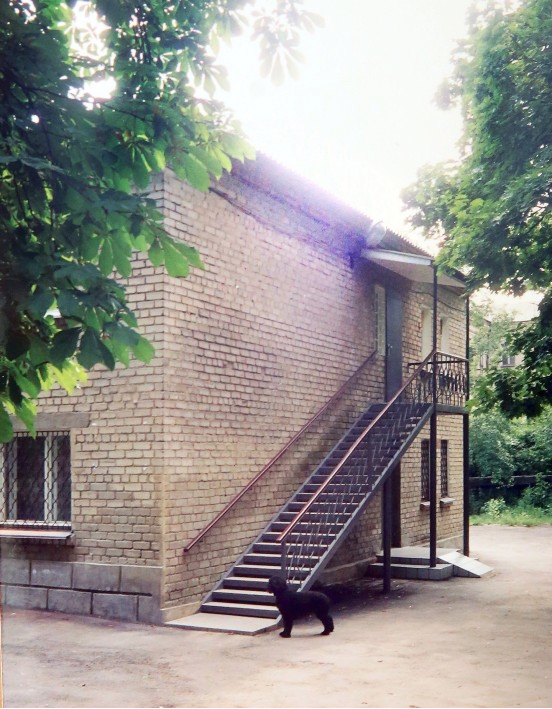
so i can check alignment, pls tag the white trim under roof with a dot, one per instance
(414, 267)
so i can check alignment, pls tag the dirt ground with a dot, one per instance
(456, 643)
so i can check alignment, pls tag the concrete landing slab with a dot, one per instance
(418, 552)
(417, 572)
(218, 622)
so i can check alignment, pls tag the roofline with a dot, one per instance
(275, 179)
(270, 176)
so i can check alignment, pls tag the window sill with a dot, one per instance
(55, 535)
(443, 502)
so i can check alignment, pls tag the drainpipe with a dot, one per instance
(466, 440)
(433, 438)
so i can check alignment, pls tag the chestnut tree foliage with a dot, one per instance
(492, 209)
(75, 170)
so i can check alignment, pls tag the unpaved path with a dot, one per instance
(457, 643)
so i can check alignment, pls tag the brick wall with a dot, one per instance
(247, 351)
(255, 345)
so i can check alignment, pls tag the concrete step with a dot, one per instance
(418, 572)
(235, 595)
(219, 623)
(254, 610)
(462, 565)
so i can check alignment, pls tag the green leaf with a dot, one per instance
(28, 383)
(64, 345)
(69, 375)
(18, 344)
(175, 262)
(69, 305)
(93, 351)
(38, 351)
(122, 334)
(191, 254)
(209, 161)
(156, 254)
(74, 200)
(26, 411)
(196, 173)
(40, 302)
(105, 261)
(6, 426)
(122, 253)
(144, 350)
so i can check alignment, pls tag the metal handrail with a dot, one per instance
(299, 516)
(277, 457)
(438, 355)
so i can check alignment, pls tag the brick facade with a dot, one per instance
(246, 352)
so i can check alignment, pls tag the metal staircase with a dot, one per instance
(303, 536)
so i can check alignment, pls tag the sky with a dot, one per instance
(361, 119)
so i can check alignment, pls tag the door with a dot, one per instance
(393, 338)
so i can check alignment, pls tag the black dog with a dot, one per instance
(294, 604)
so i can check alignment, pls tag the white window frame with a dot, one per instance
(426, 331)
(380, 315)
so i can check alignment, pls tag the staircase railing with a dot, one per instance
(261, 474)
(332, 504)
(452, 378)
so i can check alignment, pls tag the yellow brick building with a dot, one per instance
(291, 302)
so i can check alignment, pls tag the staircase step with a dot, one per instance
(291, 547)
(295, 538)
(257, 570)
(248, 583)
(264, 559)
(228, 595)
(258, 611)
(419, 572)
(272, 560)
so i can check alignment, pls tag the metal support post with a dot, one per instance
(466, 441)
(387, 526)
(433, 439)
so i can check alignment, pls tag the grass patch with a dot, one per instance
(496, 511)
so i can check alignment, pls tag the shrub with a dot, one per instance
(494, 508)
(538, 495)
(491, 448)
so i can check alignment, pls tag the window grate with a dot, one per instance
(425, 470)
(444, 468)
(36, 480)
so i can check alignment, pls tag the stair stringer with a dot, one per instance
(349, 525)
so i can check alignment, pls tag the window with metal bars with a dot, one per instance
(425, 470)
(36, 480)
(444, 468)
